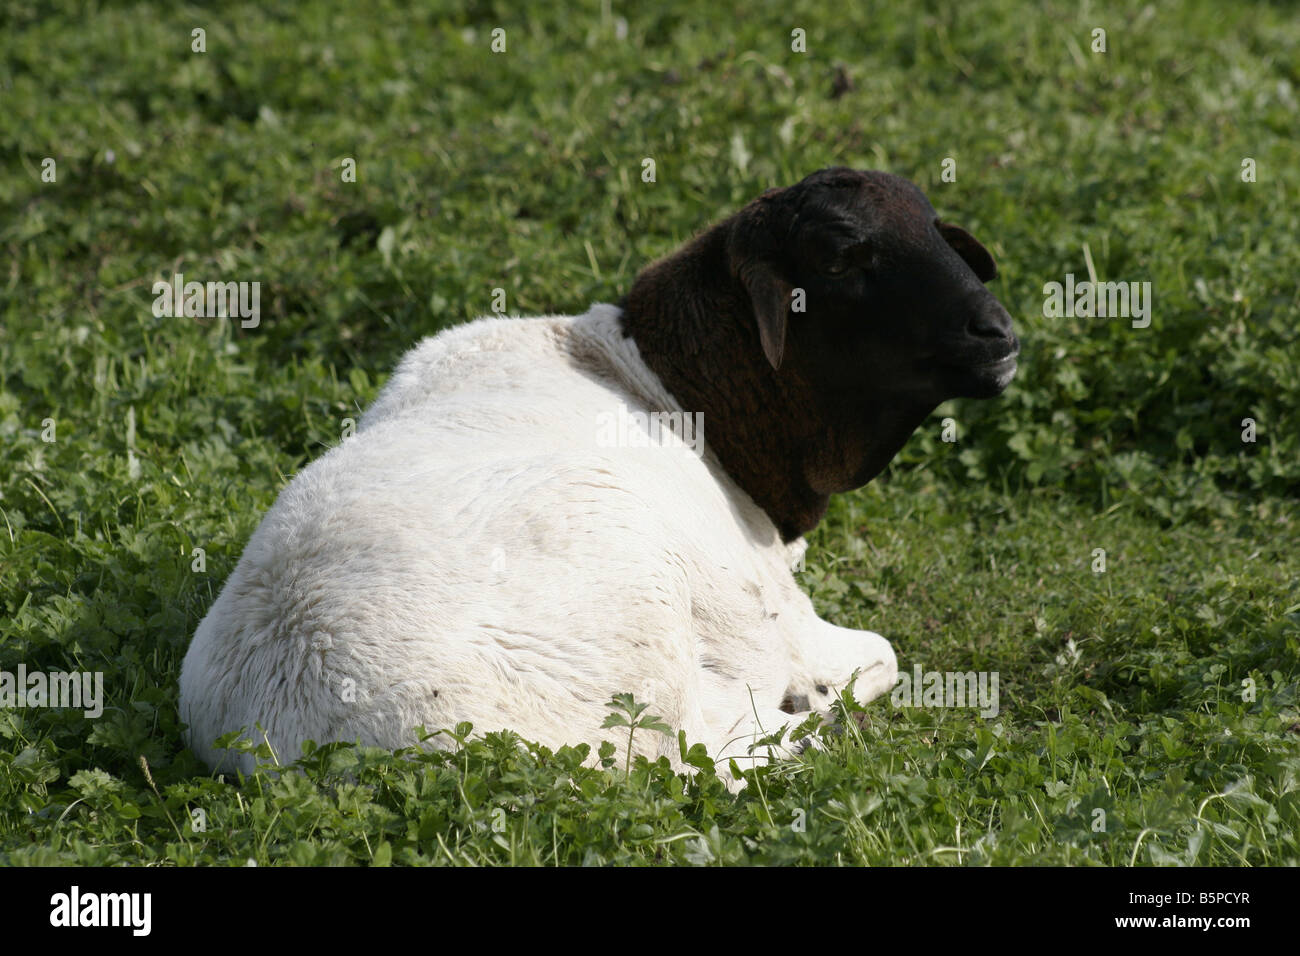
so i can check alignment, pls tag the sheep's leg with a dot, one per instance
(827, 658)
(741, 741)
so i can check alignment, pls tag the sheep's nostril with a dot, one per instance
(985, 326)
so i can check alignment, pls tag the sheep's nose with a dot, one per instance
(990, 324)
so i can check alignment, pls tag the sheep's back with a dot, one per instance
(473, 536)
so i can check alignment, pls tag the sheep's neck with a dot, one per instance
(787, 447)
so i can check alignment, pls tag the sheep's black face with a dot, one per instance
(816, 329)
(858, 286)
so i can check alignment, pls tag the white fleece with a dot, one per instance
(476, 552)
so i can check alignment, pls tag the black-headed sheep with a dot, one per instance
(537, 514)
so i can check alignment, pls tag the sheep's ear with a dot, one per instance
(753, 248)
(969, 248)
(770, 296)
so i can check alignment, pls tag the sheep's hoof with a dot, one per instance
(807, 744)
(796, 703)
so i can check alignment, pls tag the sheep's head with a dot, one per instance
(816, 329)
(857, 286)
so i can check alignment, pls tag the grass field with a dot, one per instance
(1148, 712)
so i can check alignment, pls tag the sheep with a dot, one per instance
(489, 548)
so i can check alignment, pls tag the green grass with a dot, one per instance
(1120, 691)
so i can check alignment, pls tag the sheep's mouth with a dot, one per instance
(1007, 361)
(983, 379)
(1002, 364)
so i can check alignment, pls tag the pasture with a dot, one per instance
(1106, 536)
